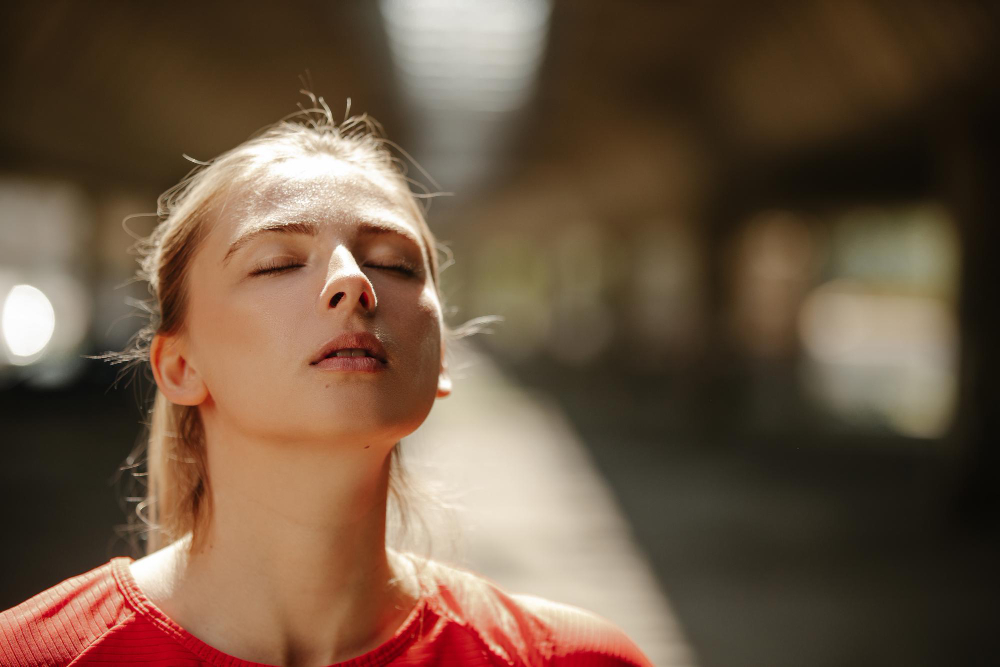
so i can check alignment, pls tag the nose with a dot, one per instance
(347, 287)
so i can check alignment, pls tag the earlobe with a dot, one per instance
(444, 384)
(179, 381)
(444, 378)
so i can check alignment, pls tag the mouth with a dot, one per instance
(351, 364)
(350, 352)
(352, 345)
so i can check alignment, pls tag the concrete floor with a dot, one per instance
(815, 546)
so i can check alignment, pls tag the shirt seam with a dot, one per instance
(94, 642)
(440, 609)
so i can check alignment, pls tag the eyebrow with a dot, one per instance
(364, 228)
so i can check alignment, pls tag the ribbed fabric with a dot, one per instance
(102, 617)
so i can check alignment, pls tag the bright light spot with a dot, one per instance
(28, 322)
(479, 55)
(885, 354)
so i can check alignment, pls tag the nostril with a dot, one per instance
(336, 299)
(364, 299)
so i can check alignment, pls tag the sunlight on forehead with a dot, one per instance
(321, 183)
(327, 177)
(313, 191)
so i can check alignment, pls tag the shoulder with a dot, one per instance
(578, 634)
(56, 625)
(527, 629)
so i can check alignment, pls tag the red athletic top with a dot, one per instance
(101, 617)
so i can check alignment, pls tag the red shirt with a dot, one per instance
(101, 617)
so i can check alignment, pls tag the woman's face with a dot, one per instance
(321, 248)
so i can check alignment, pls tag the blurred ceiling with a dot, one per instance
(117, 92)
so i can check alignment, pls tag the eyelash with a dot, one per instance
(279, 268)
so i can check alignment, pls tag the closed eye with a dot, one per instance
(274, 268)
(405, 269)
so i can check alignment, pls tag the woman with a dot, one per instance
(296, 336)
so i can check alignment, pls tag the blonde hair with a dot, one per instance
(177, 489)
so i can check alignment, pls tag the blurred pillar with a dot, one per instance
(717, 389)
(971, 158)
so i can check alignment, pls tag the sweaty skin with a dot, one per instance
(293, 568)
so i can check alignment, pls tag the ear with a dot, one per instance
(444, 378)
(179, 381)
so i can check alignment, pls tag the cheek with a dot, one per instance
(418, 380)
(429, 315)
(417, 330)
(238, 341)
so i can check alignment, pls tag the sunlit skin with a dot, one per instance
(293, 568)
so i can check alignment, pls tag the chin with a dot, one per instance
(368, 428)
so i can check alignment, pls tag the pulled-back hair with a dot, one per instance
(177, 487)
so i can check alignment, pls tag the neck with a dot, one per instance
(292, 567)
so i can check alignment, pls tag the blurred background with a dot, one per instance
(742, 252)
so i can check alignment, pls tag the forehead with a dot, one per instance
(318, 190)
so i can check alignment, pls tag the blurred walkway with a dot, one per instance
(533, 513)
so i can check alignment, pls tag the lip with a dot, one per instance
(351, 340)
(354, 364)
